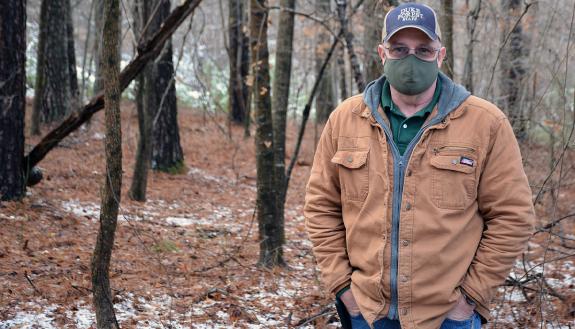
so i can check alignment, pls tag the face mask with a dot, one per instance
(410, 75)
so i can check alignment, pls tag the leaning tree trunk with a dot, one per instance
(105, 317)
(239, 62)
(513, 69)
(167, 154)
(270, 231)
(12, 97)
(325, 101)
(280, 102)
(53, 90)
(447, 35)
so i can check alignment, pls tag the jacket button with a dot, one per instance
(405, 243)
(349, 159)
(403, 278)
(408, 206)
(408, 173)
(403, 311)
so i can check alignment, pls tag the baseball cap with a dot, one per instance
(413, 15)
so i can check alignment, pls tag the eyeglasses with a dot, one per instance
(426, 53)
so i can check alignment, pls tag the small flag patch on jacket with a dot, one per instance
(466, 161)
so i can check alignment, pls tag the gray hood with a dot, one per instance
(452, 95)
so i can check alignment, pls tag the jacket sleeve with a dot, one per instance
(322, 211)
(505, 203)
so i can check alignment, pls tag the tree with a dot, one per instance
(447, 35)
(167, 154)
(98, 23)
(513, 68)
(53, 95)
(348, 35)
(280, 102)
(374, 12)
(146, 111)
(12, 97)
(270, 231)
(159, 139)
(325, 101)
(105, 317)
(239, 59)
(471, 23)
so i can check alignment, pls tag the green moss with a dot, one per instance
(177, 169)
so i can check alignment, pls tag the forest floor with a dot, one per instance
(186, 257)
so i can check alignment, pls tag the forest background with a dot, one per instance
(209, 233)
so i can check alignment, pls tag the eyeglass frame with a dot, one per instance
(435, 50)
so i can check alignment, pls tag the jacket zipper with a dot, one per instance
(399, 173)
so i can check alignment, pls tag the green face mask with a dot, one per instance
(410, 75)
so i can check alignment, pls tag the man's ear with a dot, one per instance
(441, 56)
(381, 52)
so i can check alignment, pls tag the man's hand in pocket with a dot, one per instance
(462, 310)
(349, 302)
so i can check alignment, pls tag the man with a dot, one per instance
(417, 204)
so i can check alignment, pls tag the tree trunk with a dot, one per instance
(374, 11)
(105, 317)
(12, 97)
(348, 35)
(98, 22)
(75, 92)
(146, 104)
(167, 154)
(239, 62)
(325, 101)
(270, 231)
(471, 23)
(53, 91)
(447, 35)
(513, 69)
(280, 103)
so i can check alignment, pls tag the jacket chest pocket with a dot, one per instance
(353, 173)
(453, 177)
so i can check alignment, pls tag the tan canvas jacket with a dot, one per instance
(454, 212)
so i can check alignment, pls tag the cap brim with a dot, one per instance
(430, 34)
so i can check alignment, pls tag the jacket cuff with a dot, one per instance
(341, 291)
(480, 307)
(338, 288)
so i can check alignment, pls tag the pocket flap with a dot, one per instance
(350, 159)
(453, 162)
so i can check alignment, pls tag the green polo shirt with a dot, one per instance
(404, 129)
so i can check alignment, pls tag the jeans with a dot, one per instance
(358, 322)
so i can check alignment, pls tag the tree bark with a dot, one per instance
(105, 317)
(325, 101)
(75, 92)
(348, 35)
(447, 35)
(167, 154)
(53, 91)
(147, 51)
(12, 97)
(98, 23)
(239, 58)
(513, 68)
(280, 101)
(471, 23)
(270, 231)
